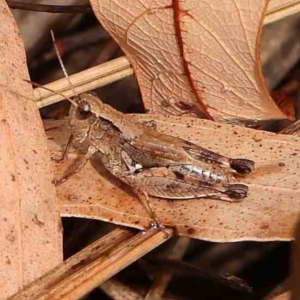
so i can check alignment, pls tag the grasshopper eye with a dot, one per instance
(84, 110)
(83, 115)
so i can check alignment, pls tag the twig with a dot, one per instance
(293, 129)
(163, 277)
(55, 9)
(90, 267)
(87, 80)
(186, 270)
(117, 290)
(279, 9)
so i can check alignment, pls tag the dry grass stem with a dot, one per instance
(119, 291)
(84, 81)
(90, 267)
(293, 129)
(41, 288)
(279, 9)
(163, 277)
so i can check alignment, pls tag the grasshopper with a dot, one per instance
(152, 163)
(147, 148)
(186, 179)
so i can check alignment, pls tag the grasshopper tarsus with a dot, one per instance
(159, 226)
(156, 223)
(57, 182)
(237, 191)
(64, 156)
(241, 165)
(60, 159)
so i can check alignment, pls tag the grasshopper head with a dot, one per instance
(90, 103)
(89, 108)
(81, 116)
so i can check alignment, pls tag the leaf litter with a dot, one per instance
(30, 239)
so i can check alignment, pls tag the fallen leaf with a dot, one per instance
(285, 102)
(283, 296)
(269, 212)
(30, 238)
(191, 55)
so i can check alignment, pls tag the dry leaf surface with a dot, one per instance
(283, 296)
(268, 213)
(30, 238)
(194, 54)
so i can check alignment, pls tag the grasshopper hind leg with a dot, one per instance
(123, 167)
(231, 193)
(237, 191)
(163, 183)
(241, 165)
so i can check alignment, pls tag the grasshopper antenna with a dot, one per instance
(53, 91)
(64, 71)
(61, 62)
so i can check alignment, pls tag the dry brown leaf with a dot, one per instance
(283, 296)
(30, 239)
(189, 54)
(285, 102)
(268, 213)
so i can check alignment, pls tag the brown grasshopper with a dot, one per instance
(148, 148)
(164, 178)
(150, 162)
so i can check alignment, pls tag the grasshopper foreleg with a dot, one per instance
(64, 155)
(163, 183)
(78, 167)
